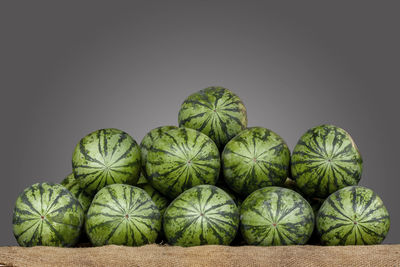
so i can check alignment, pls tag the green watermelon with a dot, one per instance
(255, 158)
(47, 214)
(274, 216)
(216, 112)
(148, 141)
(324, 160)
(122, 214)
(104, 157)
(74, 187)
(353, 215)
(180, 159)
(202, 215)
(161, 201)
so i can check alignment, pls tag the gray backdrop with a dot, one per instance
(69, 68)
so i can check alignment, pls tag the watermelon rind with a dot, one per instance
(202, 215)
(122, 214)
(148, 141)
(47, 214)
(354, 215)
(274, 216)
(106, 156)
(255, 158)
(324, 160)
(216, 112)
(180, 159)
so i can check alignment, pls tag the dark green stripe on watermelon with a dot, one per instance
(324, 160)
(48, 215)
(180, 159)
(148, 141)
(202, 215)
(216, 112)
(255, 158)
(122, 215)
(354, 215)
(273, 216)
(104, 157)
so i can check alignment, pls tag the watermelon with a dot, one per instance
(216, 112)
(74, 187)
(325, 160)
(353, 215)
(148, 141)
(47, 214)
(180, 159)
(106, 156)
(274, 216)
(202, 215)
(122, 214)
(255, 158)
(161, 201)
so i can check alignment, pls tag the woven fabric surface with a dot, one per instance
(159, 255)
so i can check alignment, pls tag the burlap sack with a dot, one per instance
(157, 255)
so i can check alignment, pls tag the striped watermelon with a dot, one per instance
(273, 216)
(255, 158)
(148, 141)
(324, 160)
(202, 215)
(73, 186)
(47, 215)
(161, 201)
(104, 157)
(122, 214)
(216, 112)
(180, 159)
(353, 215)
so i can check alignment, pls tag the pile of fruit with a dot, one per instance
(211, 180)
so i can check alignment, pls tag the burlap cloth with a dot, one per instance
(157, 255)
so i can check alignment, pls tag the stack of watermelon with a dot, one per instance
(212, 180)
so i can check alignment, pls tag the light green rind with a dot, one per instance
(161, 201)
(353, 215)
(122, 215)
(274, 216)
(255, 158)
(202, 215)
(106, 156)
(180, 159)
(148, 141)
(325, 160)
(47, 215)
(216, 112)
(74, 187)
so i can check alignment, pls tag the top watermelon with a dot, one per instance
(325, 160)
(148, 141)
(216, 112)
(106, 156)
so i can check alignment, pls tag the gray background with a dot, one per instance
(69, 68)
